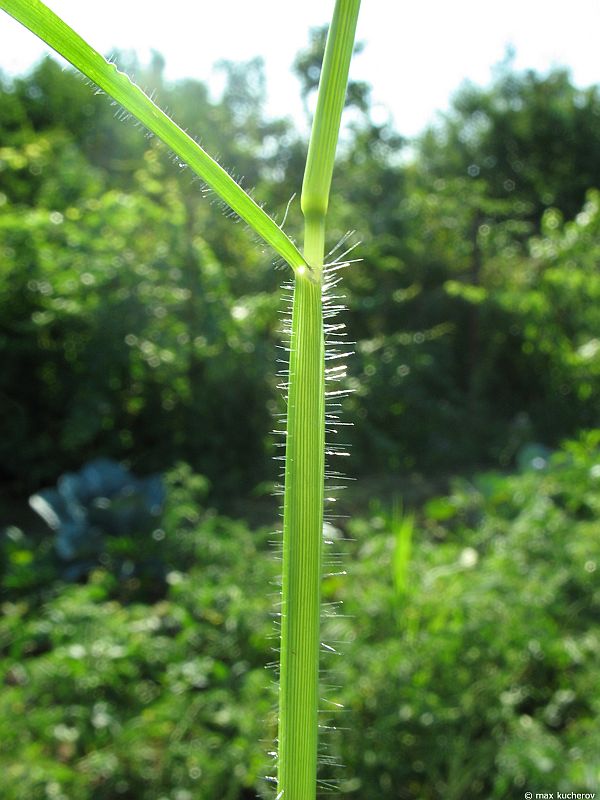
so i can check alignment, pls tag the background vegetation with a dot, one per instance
(137, 324)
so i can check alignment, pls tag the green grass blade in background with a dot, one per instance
(34, 15)
(305, 442)
(402, 527)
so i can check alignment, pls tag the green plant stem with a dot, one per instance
(303, 526)
(330, 103)
(305, 443)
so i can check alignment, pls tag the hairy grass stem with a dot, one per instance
(305, 429)
(305, 440)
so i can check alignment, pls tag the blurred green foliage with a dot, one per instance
(136, 323)
(485, 686)
(127, 696)
(477, 680)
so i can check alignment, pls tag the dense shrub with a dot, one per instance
(477, 680)
(106, 696)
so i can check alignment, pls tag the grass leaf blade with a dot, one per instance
(330, 104)
(45, 24)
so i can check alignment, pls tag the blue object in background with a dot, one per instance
(102, 499)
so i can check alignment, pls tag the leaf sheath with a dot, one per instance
(303, 526)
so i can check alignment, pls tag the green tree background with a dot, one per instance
(137, 324)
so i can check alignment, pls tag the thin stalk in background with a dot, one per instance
(305, 440)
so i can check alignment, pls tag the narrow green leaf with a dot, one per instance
(34, 15)
(330, 103)
(402, 527)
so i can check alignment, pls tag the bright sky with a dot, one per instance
(416, 54)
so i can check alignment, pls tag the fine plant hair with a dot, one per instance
(317, 344)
